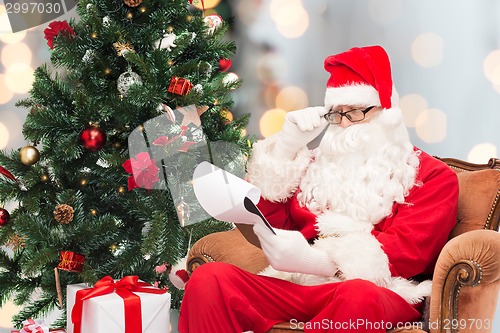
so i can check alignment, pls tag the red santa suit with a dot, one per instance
(380, 209)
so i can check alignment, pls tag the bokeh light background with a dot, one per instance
(445, 59)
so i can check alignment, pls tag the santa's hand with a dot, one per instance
(300, 128)
(289, 251)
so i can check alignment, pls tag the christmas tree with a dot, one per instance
(119, 65)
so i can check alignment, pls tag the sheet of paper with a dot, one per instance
(222, 195)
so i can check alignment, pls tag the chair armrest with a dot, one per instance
(466, 283)
(226, 246)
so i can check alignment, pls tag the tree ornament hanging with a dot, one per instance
(123, 48)
(126, 80)
(4, 217)
(212, 21)
(93, 138)
(166, 42)
(64, 213)
(224, 65)
(29, 155)
(179, 86)
(16, 242)
(132, 3)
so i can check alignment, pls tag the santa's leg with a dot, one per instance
(221, 298)
(361, 306)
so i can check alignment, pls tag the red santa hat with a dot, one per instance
(361, 75)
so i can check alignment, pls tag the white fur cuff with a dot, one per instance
(277, 178)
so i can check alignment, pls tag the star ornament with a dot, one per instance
(191, 114)
(123, 48)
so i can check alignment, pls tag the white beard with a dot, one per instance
(361, 171)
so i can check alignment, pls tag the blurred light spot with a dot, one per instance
(291, 98)
(270, 93)
(427, 50)
(290, 17)
(384, 11)
(4, 139)
(271, 122)
(482, 152)
(271, 67)
(6, 94)
(431, 125)
(491, 66)
(495, 76)
(19, 78)
(412, 105)
(207, 3)
(16, 53)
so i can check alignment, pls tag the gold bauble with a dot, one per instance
(132, 3)
(29, 155)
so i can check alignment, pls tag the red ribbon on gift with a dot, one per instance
(124, 288)
(34, 326)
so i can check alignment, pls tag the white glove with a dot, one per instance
(300, 128)
(289, 251)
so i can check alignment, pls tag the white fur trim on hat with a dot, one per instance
(358, 94)
(351, 95)
(277, 178)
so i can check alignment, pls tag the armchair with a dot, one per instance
(466, 279)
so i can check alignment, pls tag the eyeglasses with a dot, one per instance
(335, 117)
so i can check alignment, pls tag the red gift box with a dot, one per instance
(179, 86)
(70, 261)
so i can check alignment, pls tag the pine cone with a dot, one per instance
(64, 213)
(132, 3)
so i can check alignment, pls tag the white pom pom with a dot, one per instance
(178, 275)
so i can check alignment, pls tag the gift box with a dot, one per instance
(71, 261)
(52, 330)
(125, 306)
(179, 86)
(37, 326)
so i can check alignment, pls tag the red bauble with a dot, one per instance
(224, 64)
(93, 138)
(4, 217)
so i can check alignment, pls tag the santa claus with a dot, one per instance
(359, 221)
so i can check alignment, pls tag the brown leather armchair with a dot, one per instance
(466, 278)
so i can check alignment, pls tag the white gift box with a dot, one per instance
(106, 313)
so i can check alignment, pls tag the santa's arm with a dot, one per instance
(415, 235)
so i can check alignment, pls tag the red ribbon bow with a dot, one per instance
(124, 288)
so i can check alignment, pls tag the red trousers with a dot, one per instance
(221, 298)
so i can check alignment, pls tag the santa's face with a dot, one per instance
(360, 170)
